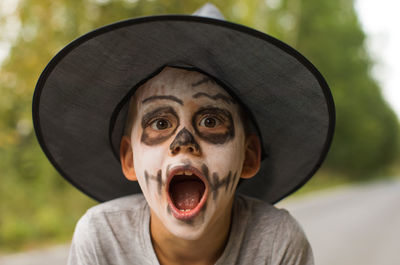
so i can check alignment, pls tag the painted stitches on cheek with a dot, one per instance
(159, 125)
(156, 178)
(214, 125)
(216, 183)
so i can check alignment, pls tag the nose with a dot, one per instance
(184, 142)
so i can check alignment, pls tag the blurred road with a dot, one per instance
(353, 225)
(346, 226)
(57, 255)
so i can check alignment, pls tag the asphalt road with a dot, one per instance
(345, 226)
(56, 255)
(353, 225)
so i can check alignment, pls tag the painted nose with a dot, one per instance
(184, 142)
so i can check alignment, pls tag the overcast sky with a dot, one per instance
(380, 20)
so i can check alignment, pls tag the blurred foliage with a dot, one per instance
(37, 205)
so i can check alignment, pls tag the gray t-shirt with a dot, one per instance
(117, 232)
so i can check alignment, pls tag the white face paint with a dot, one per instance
(184, 124)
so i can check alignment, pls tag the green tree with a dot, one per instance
(366, 134)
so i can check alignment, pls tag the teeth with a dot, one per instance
(184, 172)
(184, 210)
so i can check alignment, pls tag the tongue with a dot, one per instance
(186, 194)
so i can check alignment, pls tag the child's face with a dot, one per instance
(188, 145)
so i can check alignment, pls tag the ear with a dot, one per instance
(252, 160)
(126, 157)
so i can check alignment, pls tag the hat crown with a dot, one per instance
(209, 10)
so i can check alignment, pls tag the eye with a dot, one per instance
(160, 124)
(210, 122)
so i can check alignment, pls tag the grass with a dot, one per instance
(47, 218)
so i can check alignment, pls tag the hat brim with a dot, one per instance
(83, 87)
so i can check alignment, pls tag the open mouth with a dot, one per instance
(187, 191)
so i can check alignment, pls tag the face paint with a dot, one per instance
(213, 125)
(215, 97)
(163, 97)
(158, 125)
(184, 139)
(234, 181)
(188, 148)
(157, 178)
(216, 182)
(203, 80)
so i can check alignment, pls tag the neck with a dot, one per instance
(173, 250)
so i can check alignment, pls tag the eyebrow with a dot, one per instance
(213, 110)
(169, 97)
(202, 81)
(215, 97)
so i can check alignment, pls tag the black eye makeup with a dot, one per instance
(214, 125)
(158, 125)
(210, 122)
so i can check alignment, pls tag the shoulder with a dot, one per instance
(118, 212)
(276, 232)
(265, 213)
(130, 203)
(291, 245)
(104, 231)
(261, 213)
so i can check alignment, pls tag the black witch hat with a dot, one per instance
(80, 101)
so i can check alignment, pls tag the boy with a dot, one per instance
(187, 141)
